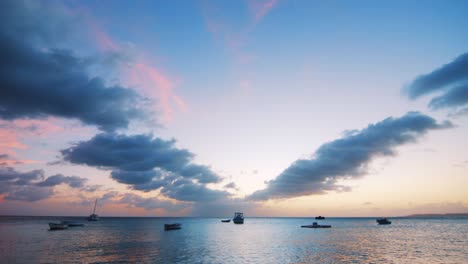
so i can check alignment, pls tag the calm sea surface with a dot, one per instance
(259, 240)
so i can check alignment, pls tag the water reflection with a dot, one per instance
(259, 240)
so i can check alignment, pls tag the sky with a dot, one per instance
(204, 108)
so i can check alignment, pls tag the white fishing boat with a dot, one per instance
(94, 216)
(238, 218)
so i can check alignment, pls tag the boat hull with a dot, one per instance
(383, 221)
(72, 224)
(93, 217)
(172, 226)
(316, 226)
(55, 226)
(238, 221)
(226, 221)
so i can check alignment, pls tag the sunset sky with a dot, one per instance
(203, 108)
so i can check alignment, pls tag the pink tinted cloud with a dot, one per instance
(12, 133)
(140, 74)
(155, 84)
(260, 8)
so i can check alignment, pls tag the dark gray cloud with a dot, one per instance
(33, 185)
(29, 193)
(348, 156)
(147, 163)
(38, 81)
(134, 159)
(231, 185)
(72, 181)
(450, 80)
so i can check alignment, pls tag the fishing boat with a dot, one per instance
(315, 225)
(383, 221)
(226, 220)
(320, 217)
(72, 223)
(94, 216)
(57, 226)
(238, 218)
(172, 226)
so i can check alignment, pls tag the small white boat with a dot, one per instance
(315, 225)
(57, 226)
(238, 218)
(174, 226)
(383, 221)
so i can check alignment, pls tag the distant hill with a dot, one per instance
(437, 215)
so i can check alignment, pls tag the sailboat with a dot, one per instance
(94, 216)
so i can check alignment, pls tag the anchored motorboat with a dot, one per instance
(172, 226)
(383, 221)
(315, 225)
(57, 226)
(238, 218)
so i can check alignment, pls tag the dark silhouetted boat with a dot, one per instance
(57, 226)
(226, 220)
(320, 217)
(174, 226)
(383, 221)
(238, 218)
(72, 223)
(94, 216)
(315, 225)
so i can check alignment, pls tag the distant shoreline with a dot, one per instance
(436, 215)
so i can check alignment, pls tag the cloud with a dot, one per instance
(151, 203)
(72, 181)
(39, 81)
(231, 185)
(451, 80)
(32, 185)
(261, 7)
(348, 156)
(29, 194)
(147, 163)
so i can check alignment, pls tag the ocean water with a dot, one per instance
(259, 240)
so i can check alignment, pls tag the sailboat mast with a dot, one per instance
(94, 210)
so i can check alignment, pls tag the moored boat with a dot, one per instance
(72, 223)
(94, 216)
(315, 225)
(57, 226)
(383, 221)
(226, 220)
(174, 226)
(238, 218)
(320, 217)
